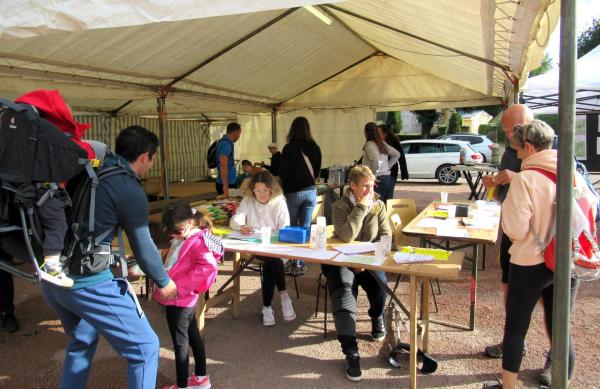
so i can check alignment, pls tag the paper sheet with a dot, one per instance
(401, 257)
(437, 223)
(452, 231)
(360, 259)
(254, 236)
(356, 248)
(437, 254)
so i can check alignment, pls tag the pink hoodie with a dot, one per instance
(531, 204)
(194, 272)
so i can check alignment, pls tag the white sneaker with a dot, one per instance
(268, 316)
(287, 308)
(56, 276)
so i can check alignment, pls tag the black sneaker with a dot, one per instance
(495, 351)
(545, 378)
(353, 367)
(9, 322)
(492, 385)
(378, 328)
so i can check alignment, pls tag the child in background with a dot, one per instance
(265, 206)
(192, 264)
(247, 171)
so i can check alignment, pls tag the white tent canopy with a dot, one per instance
(228, 59)
(541, 92)
(247, 56)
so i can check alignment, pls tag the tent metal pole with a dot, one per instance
(274, 125)
(566, 122)
(162, 119)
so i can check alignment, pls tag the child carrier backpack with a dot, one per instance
(585, 254)
(35, 157)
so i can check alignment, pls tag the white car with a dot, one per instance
(433, 158)
(480, 143)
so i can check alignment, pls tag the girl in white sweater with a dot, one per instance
(379, 156)
(265, 206)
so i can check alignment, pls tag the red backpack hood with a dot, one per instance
(53, 108)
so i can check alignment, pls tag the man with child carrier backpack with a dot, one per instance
(98, 303)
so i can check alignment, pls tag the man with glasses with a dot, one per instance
(99, 304)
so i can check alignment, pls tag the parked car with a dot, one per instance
(433, 158)
(480, 143)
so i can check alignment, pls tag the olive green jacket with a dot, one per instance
(356, 222)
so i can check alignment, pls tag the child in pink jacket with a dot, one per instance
(192, 264)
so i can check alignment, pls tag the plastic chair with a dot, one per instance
(400, 240)
(405, 208)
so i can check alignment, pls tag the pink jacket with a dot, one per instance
(195, 270)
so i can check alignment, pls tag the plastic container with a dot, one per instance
(495, 160)
(294, 234)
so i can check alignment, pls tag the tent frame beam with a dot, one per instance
(231, 47)
(419, 38)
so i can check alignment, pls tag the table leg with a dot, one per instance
(425, 314)
(413, 334)
(473, 188)
(235, 298)
(473, 293)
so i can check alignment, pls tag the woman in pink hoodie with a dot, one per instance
(530, 208)
(192, 264)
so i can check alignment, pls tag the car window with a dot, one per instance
(475, 140)
(449, 148)
(420, 148)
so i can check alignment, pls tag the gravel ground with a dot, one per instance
(244, 354)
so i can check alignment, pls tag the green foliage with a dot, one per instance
(544, 67)
(454, 123)
(550, 118)
(493, 132)
(427, 118)
(394, 121)
(442, 130)
(588, 39)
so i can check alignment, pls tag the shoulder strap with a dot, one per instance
(547, 173)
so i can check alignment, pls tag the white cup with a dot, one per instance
(444, 197)
(386, 240)
(380, 249)
(321, 221)
(265, 235)
(451, 209)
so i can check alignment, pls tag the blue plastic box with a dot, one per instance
(294, 234)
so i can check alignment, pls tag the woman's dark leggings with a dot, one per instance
(184, 330)
(526, 284)
(273, 275)
(342, 285)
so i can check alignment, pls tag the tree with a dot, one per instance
(455, 123)
(394, 121)
(588, 39)
(544, 67)
(427, 118)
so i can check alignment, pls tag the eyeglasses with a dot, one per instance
(261, 191)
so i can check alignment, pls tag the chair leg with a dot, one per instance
(294, 275)
(433, 295)
(437, 281)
